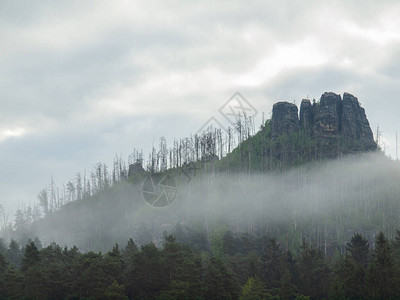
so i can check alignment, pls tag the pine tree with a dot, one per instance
(382, 274)
(113, 264)
(130, 250)
(14, 253)
(273, 266)
(57, 271)
(351, 271)
(148, 275)
(182, 269)
(253, 289)
(349, 279)
(3, 267)
(287, 288)
(314, 273)
(115, 291)
(396, 248)
(92, 280)
(228, 243)
(3, 247)
(218, 281)
(13, 283)
(359, 249)
(35, 283)
(31, 257)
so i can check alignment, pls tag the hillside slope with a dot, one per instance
(319, 199)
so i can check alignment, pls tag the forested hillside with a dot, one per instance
(273, 213)
(302, 175)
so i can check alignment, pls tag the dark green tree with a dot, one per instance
(314, 272)
(147, 276)
(3, 247)
(273, 264)
(3, 267)
(115, 291)
(130, 250)
(396, 248)
(253, 289)
(57, 273)
(31, 257)
(382, 274)
(35, 283)
(13, 283)
(92, 280)
(228, 243)
(113, 265)
(183, 270)
(14, 253)
(350, 272)
(358, 248)
(218, 281)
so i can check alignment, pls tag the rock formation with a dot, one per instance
(335, 125)
(354, 122)
(306, 115)
(285, 118)
(327, 116)
(135, 169)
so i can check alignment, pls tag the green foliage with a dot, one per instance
(359, 249)
(218, 282)
(148, 272)
(263, 271)
(115, 291)
(217, 241)
(14, 253)
(253, 289)
(314, 272)
(273, 264)
(31, 257)
(13, 283)
(382, 276)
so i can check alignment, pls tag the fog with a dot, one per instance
(322, 202)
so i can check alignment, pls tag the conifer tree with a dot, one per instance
(382, 274)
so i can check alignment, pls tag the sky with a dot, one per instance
(82, 81)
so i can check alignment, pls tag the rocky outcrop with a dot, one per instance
(327, 116)
(354, 123)
(336, 126)
(306, 115)
(285, 118)
(135, 169)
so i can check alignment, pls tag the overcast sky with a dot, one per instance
(83, 80)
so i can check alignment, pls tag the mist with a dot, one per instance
(324, 203)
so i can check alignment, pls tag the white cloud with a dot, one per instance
(9, 133)
(82, 74)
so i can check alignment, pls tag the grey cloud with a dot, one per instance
(133, 49)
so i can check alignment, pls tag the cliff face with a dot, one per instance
(336, 125)
(284, 118)
(355, 124)
(307, 112)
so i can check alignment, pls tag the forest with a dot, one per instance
(255, 216)
(185, 267)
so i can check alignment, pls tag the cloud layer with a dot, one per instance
(83, 80)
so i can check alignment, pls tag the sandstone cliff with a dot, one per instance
(336, 125)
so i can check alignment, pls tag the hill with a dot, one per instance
(245, 190)
(330, 128)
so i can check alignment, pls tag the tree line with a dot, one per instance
(234, 268)
(234, 149)
(209, 143)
